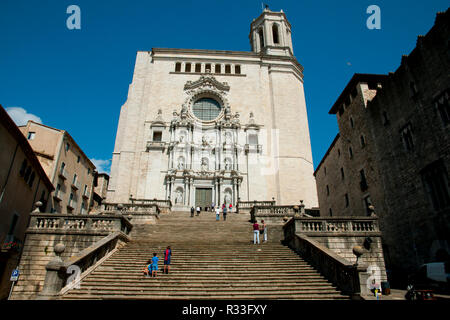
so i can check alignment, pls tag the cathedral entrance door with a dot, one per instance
(203, 197)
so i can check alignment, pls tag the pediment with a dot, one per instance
(207, 82)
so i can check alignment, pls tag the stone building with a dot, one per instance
(69, 169)
(23, 182)
(393, 151)
(101, 181)
(209, 126)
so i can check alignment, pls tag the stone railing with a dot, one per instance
(77, 267)
(341, 225)
(67, 223)
(349, 278)
(316, 238)
(124, 208)
(248, 205)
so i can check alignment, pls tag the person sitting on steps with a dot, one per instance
(148, 268)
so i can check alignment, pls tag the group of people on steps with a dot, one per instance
(225, 210)
(152, 264)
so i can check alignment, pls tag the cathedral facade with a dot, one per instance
(203, 127)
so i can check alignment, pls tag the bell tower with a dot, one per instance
(270, 34)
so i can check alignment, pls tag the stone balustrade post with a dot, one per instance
(54, 278)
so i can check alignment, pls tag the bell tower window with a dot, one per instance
(276, 39)
(261, 38)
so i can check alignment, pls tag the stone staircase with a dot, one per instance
(210, 260)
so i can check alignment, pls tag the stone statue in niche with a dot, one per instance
(204, 141)
(180, 163)
(204, 164)
(227, 164)
(179, 197)
(227, 198)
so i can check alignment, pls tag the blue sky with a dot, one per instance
(77, 80)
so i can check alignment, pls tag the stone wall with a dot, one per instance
(47, 230)
(38, 251)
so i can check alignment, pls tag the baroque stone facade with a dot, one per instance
(207, 126)
(397, 126)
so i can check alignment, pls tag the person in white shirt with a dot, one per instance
(217, 213)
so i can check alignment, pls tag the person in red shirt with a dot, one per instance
(255, 232)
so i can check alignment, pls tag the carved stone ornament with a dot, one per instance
(207, 82)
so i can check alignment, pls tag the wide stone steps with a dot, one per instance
(210, 260)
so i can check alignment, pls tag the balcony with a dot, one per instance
(156, 145)
(86, 195)
(63, 174)
(71, 205)
(57, 195)
(75, 185)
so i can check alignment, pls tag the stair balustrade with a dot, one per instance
(302, 234)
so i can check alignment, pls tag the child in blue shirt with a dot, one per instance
(154, 265)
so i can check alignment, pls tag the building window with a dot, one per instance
(206, 109)
(78, 159)
(74, 178)
(31, 135)
(237, 69)
(435, 179)
(89, 171)
(23, 168)
(346, 200)
(218, 68)
(187, 67)
(12, 227)
(363, 141)
(352, 124)
(58, 188)
(227, 68)
(328, 191)
(67, 146)
(385, 118)
(443, 106)
(350, 152)
(261, 38)
(412, 88)
(367, 203)
(325, 170)
(157, 136)
(276, 39)
(342, 174)
(339, 152)
(407, 137)
(363, 182)
(253, 139)
(178, 67)
(30, 182)
(331, 213)
(208, 67)
(27, 173)
(198, 67)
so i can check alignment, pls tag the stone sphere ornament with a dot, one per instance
(59, 249)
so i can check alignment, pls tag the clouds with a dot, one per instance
(103, 166)
(20, 116)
